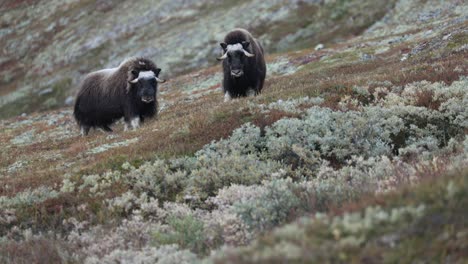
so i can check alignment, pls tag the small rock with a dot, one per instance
(319, 47)
(366, 57)
(24, 115)
(405, 57)
(446, 36)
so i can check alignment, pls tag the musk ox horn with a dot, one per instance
(160, 80)
(237, 46)
(147, 74)
(250, 55)
(222, 57)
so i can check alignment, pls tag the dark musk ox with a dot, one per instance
(127, 91)
(243, 64)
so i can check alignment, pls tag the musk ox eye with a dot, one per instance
(134, 72)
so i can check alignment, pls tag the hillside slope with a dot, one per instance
(353, 153)
(49, 45)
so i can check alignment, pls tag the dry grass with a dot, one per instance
(189, 124)
(32, 252)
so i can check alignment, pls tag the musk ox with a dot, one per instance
(244, 65)
(127, 91)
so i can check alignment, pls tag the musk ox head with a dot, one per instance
(236, 55)
(144, 83)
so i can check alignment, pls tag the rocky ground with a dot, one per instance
(355, 151)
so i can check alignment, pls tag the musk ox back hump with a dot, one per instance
(97, 103)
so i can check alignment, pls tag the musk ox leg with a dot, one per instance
(251, 92)
(84, 130)
(259, 88)
(227, 97)
(134, 123)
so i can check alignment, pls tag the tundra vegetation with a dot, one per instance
(355, 152)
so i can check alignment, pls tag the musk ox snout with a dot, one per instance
(237, 73)
(147, 99)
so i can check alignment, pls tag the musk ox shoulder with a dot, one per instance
(128, 91)
(244, 65)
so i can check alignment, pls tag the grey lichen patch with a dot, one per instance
(106, 147)
(57, 126)
(17, 166)
(201, 82)
(281, 66)
(342, 57)
(25, 138)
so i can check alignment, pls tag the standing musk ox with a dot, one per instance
(127, 91)
(243, 64)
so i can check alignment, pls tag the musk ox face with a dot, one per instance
(236, 56)
(145, 84)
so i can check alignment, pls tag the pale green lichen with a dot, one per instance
(28, 197)
(106, 147)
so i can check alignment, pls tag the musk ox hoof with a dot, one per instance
(84, 130)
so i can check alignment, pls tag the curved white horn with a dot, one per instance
(134, 80)
(160, 80)
(222, 57)
(248, 54)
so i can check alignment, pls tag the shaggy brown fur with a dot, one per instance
(253, 68)
(107, 95)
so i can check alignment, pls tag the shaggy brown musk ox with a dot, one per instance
(127, 91)
(244, 65)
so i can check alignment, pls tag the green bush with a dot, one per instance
(274, 206)
(187, 232)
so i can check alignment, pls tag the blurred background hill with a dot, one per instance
(47, 46)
